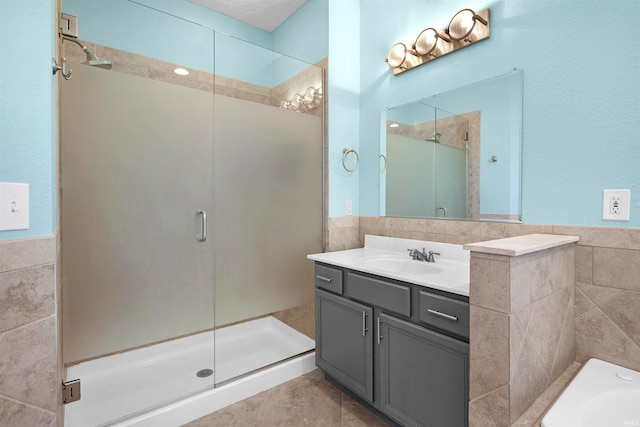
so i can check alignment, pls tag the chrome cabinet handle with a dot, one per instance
(379, 331)
(364, 323)
(324, 279)
(441, 314)
(203, 237)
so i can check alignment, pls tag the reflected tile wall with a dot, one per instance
(155, 69)
(29, 376)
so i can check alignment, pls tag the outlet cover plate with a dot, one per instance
(616, 205)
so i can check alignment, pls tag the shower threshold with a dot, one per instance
(166, 384)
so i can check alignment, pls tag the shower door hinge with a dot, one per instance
(68, 25)
(70, 391)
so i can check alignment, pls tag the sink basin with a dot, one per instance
(400, 265)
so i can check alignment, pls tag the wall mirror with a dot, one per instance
(455, 155)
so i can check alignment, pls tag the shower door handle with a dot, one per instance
(203, 237)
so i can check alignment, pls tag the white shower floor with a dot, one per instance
(116, 387)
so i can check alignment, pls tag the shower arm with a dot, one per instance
(90, 55)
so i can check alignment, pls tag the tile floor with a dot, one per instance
(308, 400)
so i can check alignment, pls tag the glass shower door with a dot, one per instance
(138, 266)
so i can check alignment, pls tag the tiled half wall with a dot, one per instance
(29, 375)
(603, 304)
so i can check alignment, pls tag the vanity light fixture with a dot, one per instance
(463, 30)
(463, 23)
(427, 41)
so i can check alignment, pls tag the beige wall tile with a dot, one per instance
(488, 351)
(582, 302)
(616, 268)
(545, 327)
(598, 294)
(529, 381)
(608, 237)
(24, 253)
(491, 409)
(408, 224)
(26, 295)
(624, 311)
(28, 363)
(489, 285)
(566, 348)
(598, 336)
(300, 318)
(584, 264)
(14, 414)
(499, 230)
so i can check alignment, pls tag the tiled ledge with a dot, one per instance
(520, 245)
(532, 417)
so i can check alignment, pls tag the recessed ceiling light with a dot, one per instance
(394, 125)
(181, 71)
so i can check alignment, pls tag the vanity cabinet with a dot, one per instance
(344, 343)
(401, 347)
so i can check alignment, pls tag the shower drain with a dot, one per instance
(204, 373)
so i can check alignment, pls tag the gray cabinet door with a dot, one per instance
(423, 375)
(344, 344)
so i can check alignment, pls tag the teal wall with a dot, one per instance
(344, 103)
(28, 129)
(27, 105)
(581, 91)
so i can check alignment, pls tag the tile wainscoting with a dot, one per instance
(29, 356)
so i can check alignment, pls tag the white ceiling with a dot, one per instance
(265, 14)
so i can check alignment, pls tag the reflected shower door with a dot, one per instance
(451, 181)
(137, 179)
(410, 177)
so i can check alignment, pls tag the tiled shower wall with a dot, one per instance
(29, 377)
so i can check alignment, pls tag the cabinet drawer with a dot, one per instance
(445, 313)
(387, 296)
(329, 278)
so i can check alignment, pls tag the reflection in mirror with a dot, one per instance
(456, 154)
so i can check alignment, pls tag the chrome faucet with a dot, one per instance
(417, 255)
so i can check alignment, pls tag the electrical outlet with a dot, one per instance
(348, 208)
(616, 205)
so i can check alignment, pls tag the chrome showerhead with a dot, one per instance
(92, 59)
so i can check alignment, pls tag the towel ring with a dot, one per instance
(346, 152)
(384, 167)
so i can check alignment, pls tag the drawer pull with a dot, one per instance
(445, 315)
(364, 323)
(324, 279)
(379, 330)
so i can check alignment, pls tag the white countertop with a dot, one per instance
(453, 262)
(521, 245)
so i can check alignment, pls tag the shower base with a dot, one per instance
(158, 385)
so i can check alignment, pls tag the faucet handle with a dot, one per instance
(430, 257)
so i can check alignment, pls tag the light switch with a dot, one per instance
(14, 206)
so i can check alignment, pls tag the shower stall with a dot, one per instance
(191, 192)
